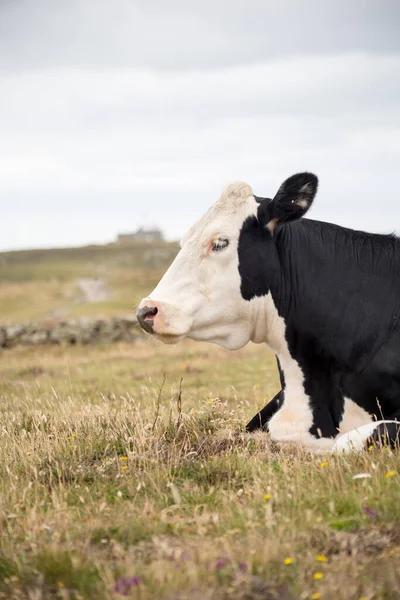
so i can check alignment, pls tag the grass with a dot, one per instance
(35, 284)
(108, 489)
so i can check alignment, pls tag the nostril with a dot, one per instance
(150, 313)
(145, 316)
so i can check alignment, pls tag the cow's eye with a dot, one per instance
(220, 244)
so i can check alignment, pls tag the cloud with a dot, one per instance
(97, 139)
(85, 100)
(188, 35)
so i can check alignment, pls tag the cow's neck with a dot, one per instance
(266, 324)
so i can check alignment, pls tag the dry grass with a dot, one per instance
(95, 488)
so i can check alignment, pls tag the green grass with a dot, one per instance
(102, 477)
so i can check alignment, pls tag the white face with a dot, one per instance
(199, 296)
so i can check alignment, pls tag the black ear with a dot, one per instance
(291, 202)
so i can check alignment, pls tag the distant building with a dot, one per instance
(141, 235)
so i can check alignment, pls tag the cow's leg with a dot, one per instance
(289, 431)
(311, 408)
(284, 431)
(261, 419)
(385, 432)
(307, 409)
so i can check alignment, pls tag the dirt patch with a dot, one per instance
(93, 290)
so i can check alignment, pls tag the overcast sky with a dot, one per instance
(120, 113)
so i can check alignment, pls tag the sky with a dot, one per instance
(116, 114)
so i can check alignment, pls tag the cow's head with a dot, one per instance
(214, 289)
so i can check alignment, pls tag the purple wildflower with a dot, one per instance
(369, 512)
(243, 567)
(124, 584)
(222, 562)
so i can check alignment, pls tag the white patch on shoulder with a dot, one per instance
(293, 420)
(353, 416)
(354, 441)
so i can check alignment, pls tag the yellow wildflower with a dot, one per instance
(321, 558)
(61, 584)
(318, 575)
(267, 497)
(288, 561)
(123, 468)
(123, 458)
(324, 464)
(316, 596)
(390, 474)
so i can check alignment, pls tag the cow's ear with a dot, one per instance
(291, 202)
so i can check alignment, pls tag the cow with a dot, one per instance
(324, 298)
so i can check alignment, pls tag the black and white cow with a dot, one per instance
(324, 298)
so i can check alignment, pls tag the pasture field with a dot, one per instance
(110, 488)
(36, 284)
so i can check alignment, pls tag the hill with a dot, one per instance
(97, 281)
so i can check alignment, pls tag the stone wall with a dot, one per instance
(76, 331)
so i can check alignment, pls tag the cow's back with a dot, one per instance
(339, 293)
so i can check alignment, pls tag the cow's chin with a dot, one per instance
(230, 340)
(169, 338)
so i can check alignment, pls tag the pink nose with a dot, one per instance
(145, 317)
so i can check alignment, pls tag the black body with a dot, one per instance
(338, 291)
